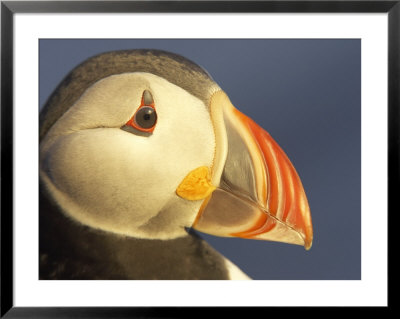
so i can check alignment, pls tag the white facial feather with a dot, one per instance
(117, 181)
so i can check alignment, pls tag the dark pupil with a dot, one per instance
(146, 117)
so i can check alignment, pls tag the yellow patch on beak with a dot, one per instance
(196, 185)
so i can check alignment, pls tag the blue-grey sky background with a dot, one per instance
(307, 94)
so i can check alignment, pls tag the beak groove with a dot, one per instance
(286, 198)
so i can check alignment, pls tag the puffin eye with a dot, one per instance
(145, 117)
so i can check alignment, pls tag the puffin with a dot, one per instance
(139, 152)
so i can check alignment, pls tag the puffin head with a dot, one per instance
(143, 143)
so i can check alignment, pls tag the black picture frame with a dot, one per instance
(9, 8)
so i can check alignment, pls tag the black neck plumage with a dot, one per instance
(69, 250)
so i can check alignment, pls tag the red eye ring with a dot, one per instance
(145, 117)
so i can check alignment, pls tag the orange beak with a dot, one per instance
(256, 193)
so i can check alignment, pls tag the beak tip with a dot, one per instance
(308, 240)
